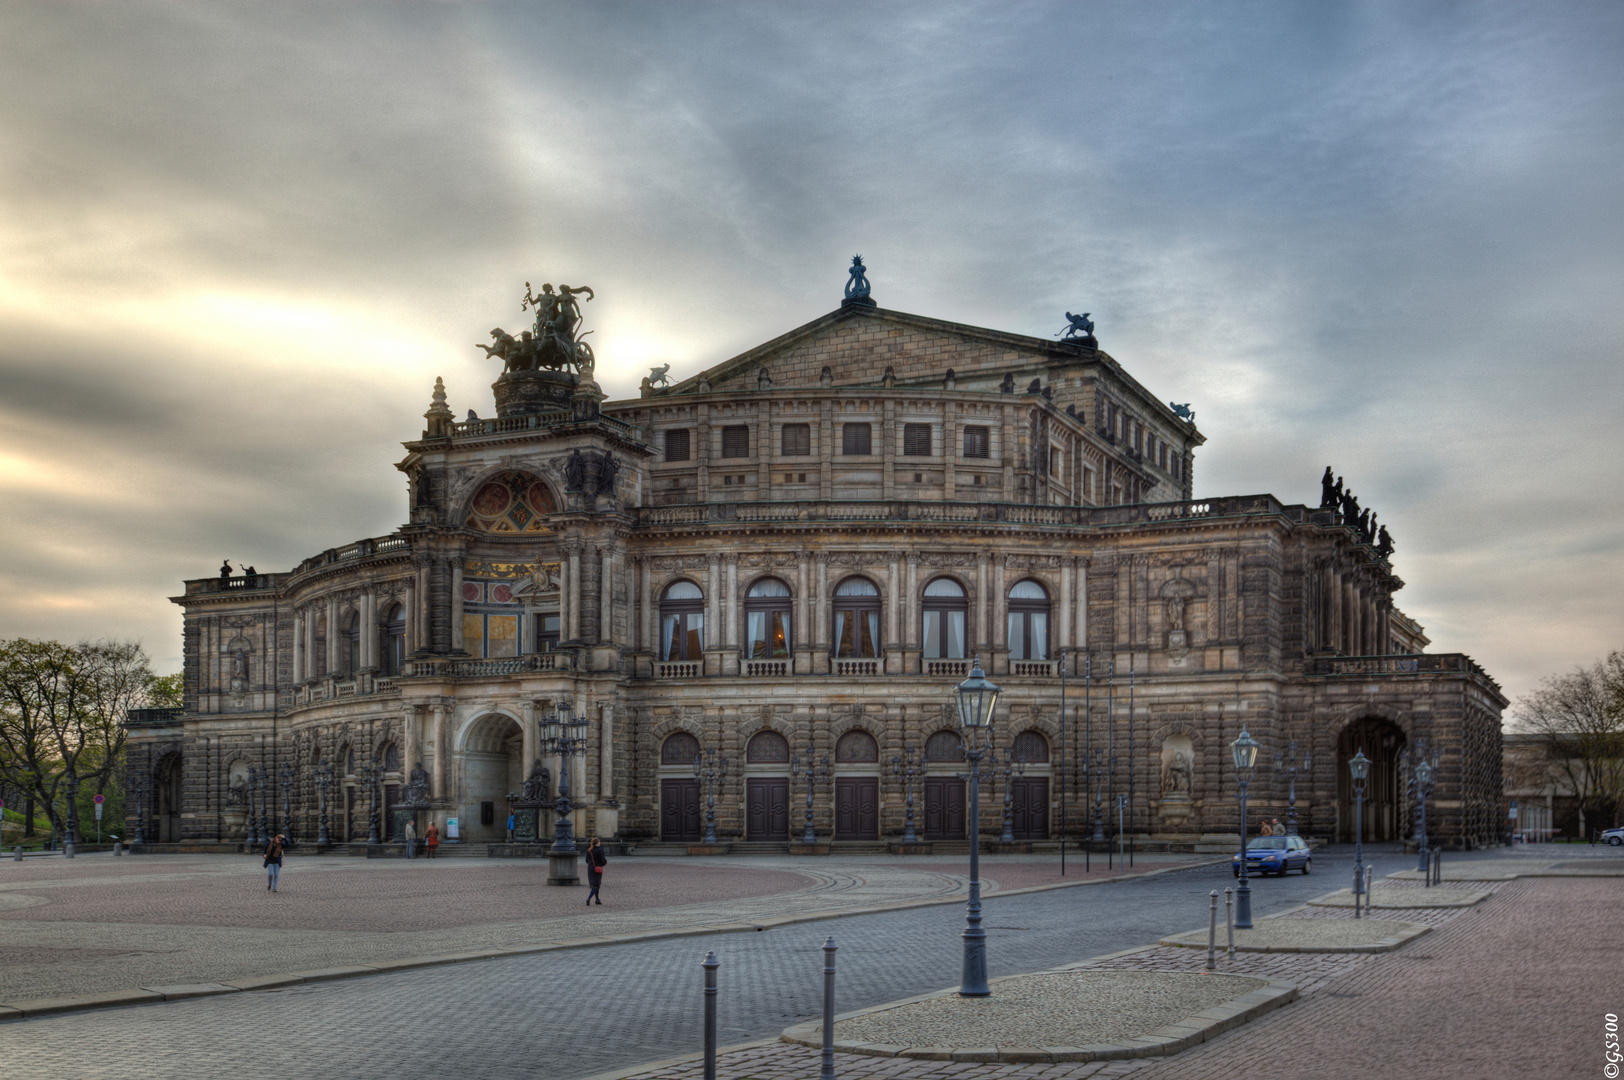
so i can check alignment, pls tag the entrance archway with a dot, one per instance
(1381, 740)
(492, 770)
(169, 788)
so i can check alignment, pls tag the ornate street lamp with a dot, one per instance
(324, 780)
(140, 785)
(907, 766)
(1287, 763)
(1007, 770)
(975, 698)
(285, 779)
(1359, 769)
(711, 768)
(1097, 782)
(1422, 780)
(563, 735)
(813, 772)
(70, 834)
(1245, 751)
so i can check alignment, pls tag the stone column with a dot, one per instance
(532, 709)
(713, 606)
(606, 575)
(457, 643)
(369, 633)
(298, 648)
(1062, 636)
(1082, 603)
(893, 604)
(332, 636)
(574, 551)
(442, 759)
(606, 752)
(1000, 586)
(910, 609)
(419, 609)
(650, 614)
(822, 636)
(950, 450)
(409, 749)
(983, 634)
(731, 560)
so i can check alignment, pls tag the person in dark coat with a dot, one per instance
(273, 860)
(596, 860)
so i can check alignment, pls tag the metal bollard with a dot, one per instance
(67, 849)
(710, 964)
(1212, 932)
(828, 1070)
(1229, 912)
(118, 848)
(1370, 872)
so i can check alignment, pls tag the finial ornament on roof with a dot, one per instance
(857, 283)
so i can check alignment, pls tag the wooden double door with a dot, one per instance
(766, 808)
(857, 808)
(944, 808)
(1029, 807)
(680, 813)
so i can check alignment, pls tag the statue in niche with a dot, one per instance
(239, 671)
(1175, 613)
(575, 471)
(417, 786)
(1176, 779)
(538, 786)
(608, 469)
(237, 794)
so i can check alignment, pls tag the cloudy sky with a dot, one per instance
(239, 241)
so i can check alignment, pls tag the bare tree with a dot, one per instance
(1579, 719)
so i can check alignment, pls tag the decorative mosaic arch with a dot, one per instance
(511, 502)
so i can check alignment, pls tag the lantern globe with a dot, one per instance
(976, 697)
(1245, 750)
(1359, 766)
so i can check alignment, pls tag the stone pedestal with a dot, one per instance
(519, 393)
(563, 869)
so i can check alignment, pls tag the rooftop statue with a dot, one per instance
(1078, 327)
(1384, 543)
(657, 376)
(554, 342)
(1328, 490)
(1183, 411)
(857, 283)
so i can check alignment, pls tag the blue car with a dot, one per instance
(1275, 855)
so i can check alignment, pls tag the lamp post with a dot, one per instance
(564, 735)
(1098, 784)
(1287, 763)
(975, 698)
(907, 767)
(711, 768)
(70, 831)
(1359, 770)
(284, 778)
(324, 780)
(1008, 769)
(1424, 770)
(1245, 750)
(139, 783)
(812, 772)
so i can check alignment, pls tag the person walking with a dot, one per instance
(431, 839)
(273, 860)
(411, 839)
(596, 860)
(510, 828)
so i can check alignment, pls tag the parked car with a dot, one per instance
(1275, 855)
(1614, 836)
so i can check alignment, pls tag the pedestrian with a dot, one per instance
(273, 860)
(596, 860)
(510, 828)
(431, 839)
(411, 839)
(1279, 829)
(1264, 830)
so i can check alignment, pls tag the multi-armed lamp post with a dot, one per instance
(908, 767)
(324, 781)
(1359, 770)
(712, 769)
(1245, 751)
(565, 736)
(1421, 778)
(1287, 763)
(813, 772)
(975, 698)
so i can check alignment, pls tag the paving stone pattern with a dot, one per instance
(580, 1012)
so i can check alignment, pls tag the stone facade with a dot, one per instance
(811, 539)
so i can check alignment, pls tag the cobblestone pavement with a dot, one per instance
(584, 1011)
(100, 923)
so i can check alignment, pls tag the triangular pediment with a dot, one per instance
(858, 343)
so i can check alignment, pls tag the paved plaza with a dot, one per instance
(1513, 986)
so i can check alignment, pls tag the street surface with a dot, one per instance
(570, 1014)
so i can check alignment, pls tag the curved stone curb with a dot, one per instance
(1193, 1030)
(35, 1007)
(1407, 933)
(1404, 898)
(1463, 872)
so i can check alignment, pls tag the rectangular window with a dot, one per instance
(976, 442)
(855, 439)
(547, 627)
(916, 440)
(676, 445)
(736, 441)
(797, 440)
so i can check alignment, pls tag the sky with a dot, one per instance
(238, 242)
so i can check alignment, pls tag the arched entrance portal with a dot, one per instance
(168, 787)
(1381, 740)
(492, 770)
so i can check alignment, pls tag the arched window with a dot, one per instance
(348, 756)
(857, 618)
(352, 643)
(320, 647)
(1028, 621)
(391, 758)
(679, 748)
(857, 748)
(767, 620)
(766, 748)
(1032, 747)
(944, 746)
(394, 640)
(945, 607)
(682, 622)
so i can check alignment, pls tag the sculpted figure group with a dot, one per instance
(1333, 496)
(554, 343)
